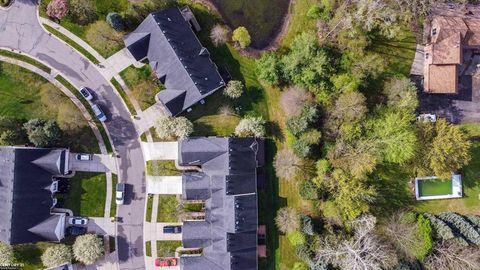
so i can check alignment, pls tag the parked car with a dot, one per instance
(427, 117)
(120, 194)
(99, 113)
(163, 262)
(172, 229)
(83, 157)
(76, 231)
(78, 221)
(86, 93)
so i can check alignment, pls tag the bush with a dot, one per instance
(42, 133)
(57, 255)
(57, 9)
(251, 126)
(115, 21)
(301, 148)
(242, 37)
(287, 220)
(234, 89)
(83, 12)
(307, 225)
(308, 190)
(442, 231)
(296, 238)
(311, 136)
(458, 223)
(300, 266)
(6, 254)
(425, 231)
(297, 125)
(88, 248)
(219, 35)
(168, 127)
(269, 68)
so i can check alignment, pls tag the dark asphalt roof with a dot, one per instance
(25, 195)
(227, 183)
(178, 58)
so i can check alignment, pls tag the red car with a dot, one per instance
(162, 262)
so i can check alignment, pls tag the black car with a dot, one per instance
(172, 229)
(76, 231)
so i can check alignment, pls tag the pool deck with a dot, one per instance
(457, 191)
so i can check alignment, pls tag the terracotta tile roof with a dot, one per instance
(442, 79)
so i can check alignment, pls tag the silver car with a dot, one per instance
(78, 221)
(86, 93)
(99, 113)
(120, 194)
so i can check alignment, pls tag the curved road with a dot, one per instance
(20, 30)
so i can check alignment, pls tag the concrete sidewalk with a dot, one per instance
(117, 62)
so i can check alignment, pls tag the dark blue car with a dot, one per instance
(172, 229)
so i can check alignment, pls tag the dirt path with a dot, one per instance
(273, 44)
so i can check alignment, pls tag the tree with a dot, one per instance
(349, 108)
(6, 254)
(287, 220)
(364, 251)
(88, 248)
(300, 266)
(168, 127)
(449, 255)
(269, 68)
(42, 133)
(57, 9)
(57, 255)
(83, 12)
(357, 157)
(251, 126)
(296, 238)
(242, 37)
(115, 21)
(402, 94)
(234, 89)
(219, 35)
(8, 137)
(287, 164)
(103, 36)
(293, 99)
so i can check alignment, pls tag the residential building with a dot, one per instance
(226, 181)
(166, 40)
(27, 212)
(450, 36)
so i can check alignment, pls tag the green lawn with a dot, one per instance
(434, 187)
(148, 213)
(262, 19)
(167, 248)
(113, 204)
(209, 124)
(162, 168)
(87, 194)
(148, 248)
(29, 255)
(167, 208)
(470, 203)
(299, 22)
(25, 58)
(124, 96)
(142, 84)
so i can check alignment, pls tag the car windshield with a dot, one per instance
(119, 195)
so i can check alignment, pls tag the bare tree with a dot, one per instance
(293, 100)
(450, 255)
(403, 233)
(363, 251)
(219, 35)
(287, 220)
(287, 164)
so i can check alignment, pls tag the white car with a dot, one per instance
(83, 157)
(120, 194)
(86, 93)
(99, 113)
(78, 221)
(427, 117)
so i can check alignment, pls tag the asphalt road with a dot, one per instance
(20, 30)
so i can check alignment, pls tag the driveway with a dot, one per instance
(98, 163)
(160, 150)
(20, 30)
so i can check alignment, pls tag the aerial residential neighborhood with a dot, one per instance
(240, 135)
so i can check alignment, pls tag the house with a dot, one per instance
(450, 35)
(226, 182)
(27, 211)
(166, 40)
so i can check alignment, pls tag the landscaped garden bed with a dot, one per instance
(162, 168)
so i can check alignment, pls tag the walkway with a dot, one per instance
(148, 117)
(21, 30)
(117, 62)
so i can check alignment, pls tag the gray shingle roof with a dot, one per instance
(227, 183)
(178, 58)
(24, 197)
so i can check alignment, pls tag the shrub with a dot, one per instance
(8, 137)
(234, 89)
(115, 21)
(57, 255)
(293, 100)
(287, 164)
(251, 126)
(460, 224)
(83, 12)
(296, 238)
(311, 136)
(314, 12)
(301, 148)
(242, 37)
(287, 220)
(297, 125)
(300, 266)
(6, 254)
(168, 127)
(57, 9)
(307, 225)
(475, 220)
(308, 190)
(269, 68)
(425, 231)
(88, 248)
(219, 35)
(42, 133)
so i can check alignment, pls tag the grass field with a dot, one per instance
(434, 187)
(167, 208)
(262, 19)
(87, 194)
(142, 84)
(167, 248)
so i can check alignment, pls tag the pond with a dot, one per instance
(262, 18)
